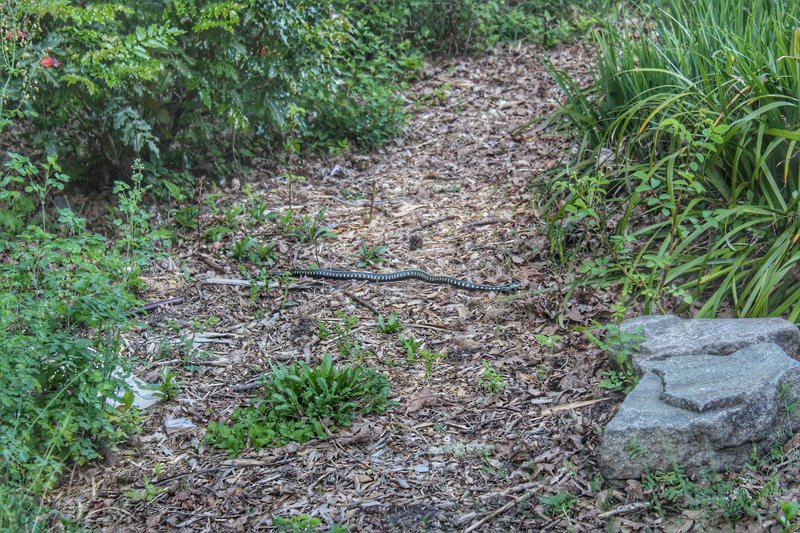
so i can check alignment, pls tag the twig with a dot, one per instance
(491, 515)
(210, 262)
(510, 490)
(152, 306)
(573, 405)
(234, 281)
(431, 223)
(623, 509)
(485, 222)
(226, 467)
(362, 302)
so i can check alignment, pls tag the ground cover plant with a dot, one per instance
(687, 175)
(300, 403)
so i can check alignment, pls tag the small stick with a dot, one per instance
(372, 199)
(486, 222)
(623, 509)
(491, 515)
(362, 302)
(152, 306)
(432, 223)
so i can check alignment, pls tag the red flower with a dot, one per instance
(48, 61)
(16, 35)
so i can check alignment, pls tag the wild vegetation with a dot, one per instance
(686, 172)
(680, 195)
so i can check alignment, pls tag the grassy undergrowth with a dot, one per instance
(65, 297)
(687, 176)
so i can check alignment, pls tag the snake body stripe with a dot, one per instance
(400, 275)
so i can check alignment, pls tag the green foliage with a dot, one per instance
(65, 295)
(304, 228)
(491, 380)
(551, 342)
(371, 255)
(148, 493)
(411, 346)
(714, 495)
(558, 504)
(691, 182)
(161, 82)
(458, 26)
(620, 344)
(428, 359)
(169, 386)
(296, 524)
(302, 403)
(788, 515)
(389, 325)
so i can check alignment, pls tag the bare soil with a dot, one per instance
(453, 196)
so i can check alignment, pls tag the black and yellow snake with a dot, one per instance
(400, 275)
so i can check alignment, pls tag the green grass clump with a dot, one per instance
(301, 403)
(688, 173)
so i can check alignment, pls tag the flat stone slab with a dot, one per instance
(703, 411)
(667, 336)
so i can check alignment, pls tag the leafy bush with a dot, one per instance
(65, 295)
(302, 403)
(159, 80)
(458, 26)
(692, 186)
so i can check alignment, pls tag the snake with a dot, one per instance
(400, 275)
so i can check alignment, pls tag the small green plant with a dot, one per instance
(148, 493)
(169, 387)
(411, 346)
(291, 179)
(621, 344)
(256, 208)
(300, 403)
(428, 359)
(549, 342)
(305, 228)
(187, 217)
(240, 248)
(634, 448)
(389, 325)
(296, 524)
(491, 380)
(371, 255)
(787, 518)
(558, 504)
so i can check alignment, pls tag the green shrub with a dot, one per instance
(160, 81)
(302, 403)
(65, 296)
(691, 186)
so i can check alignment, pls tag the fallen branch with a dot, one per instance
(623, 509)
(493, 514)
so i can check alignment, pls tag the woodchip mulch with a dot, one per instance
(453, 196)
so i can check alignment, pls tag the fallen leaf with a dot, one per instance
(421, 399)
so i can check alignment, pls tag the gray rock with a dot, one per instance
(667, 336)
(703, 411)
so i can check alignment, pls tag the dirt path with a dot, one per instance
(452, 197)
